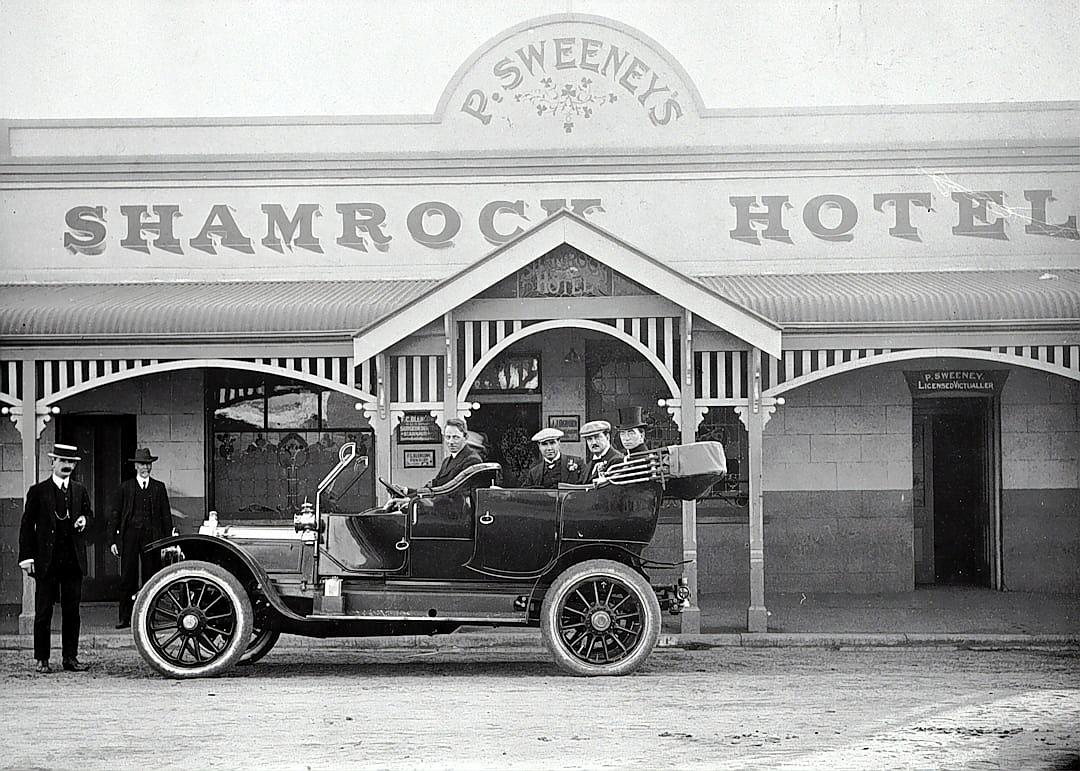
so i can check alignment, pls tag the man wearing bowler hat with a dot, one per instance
(554, 467)
(140, 514)
(52, 550)
(597, 436)
(632, 431)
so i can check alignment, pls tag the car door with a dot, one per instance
(517, 531)
(372, 541)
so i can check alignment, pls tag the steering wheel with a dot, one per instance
(394, 491)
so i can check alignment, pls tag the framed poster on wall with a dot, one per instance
(419, 459)
(419, 428)
(570, 425)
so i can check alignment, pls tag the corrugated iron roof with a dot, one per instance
(200, 308)
(267, 308)
(872, 298)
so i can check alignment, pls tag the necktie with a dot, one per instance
(142, 484)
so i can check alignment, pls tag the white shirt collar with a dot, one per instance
(143, 483)
(60, 483)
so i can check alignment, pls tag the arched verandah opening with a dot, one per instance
(961, 483)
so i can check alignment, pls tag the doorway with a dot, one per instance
(508, 428)
(954, 488)
(105, 443)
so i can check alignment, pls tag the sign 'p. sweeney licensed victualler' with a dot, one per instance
(956, 382)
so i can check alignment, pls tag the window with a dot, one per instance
(722, 424)
(517, 373)
(273, 440)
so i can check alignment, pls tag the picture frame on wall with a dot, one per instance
(570, 425)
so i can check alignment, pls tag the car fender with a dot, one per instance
(220, 552)
(582, 553)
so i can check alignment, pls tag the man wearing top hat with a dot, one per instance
(632, 431)
(597, 436)
(554, 467)
(52, 550)
(140, 514)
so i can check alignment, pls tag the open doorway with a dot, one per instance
(106, 443)
(955, 491)
(507, 428)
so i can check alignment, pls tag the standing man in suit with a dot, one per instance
(52, 550)
(140, 514)
(632, 431)
(597, 436)
(459, 456)
(554, 467)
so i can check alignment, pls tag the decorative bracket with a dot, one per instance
(14, 414)
(44, 414)
(766, 405)
(370, 410)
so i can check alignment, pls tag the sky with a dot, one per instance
(221, 58)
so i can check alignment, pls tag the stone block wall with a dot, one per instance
(837, 480)
(1040, 479)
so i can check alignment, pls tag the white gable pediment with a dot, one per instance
(565, 228)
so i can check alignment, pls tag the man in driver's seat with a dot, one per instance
(459, 456)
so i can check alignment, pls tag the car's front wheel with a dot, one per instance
(192, 619)
(600, 617)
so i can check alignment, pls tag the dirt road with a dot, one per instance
(723, 708)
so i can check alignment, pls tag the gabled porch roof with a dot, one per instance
(567, 228)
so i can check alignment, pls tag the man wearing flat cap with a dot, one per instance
(140, 514)
(52, 550)
(632, 431)
(554, 467)
(597, 436)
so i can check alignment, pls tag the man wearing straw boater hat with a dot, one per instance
(52, 550)
(140, 515)
(554, 467)
(597, 436)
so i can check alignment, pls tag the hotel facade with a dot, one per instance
(876, 310)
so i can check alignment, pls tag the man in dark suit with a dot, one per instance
(459, 456)
(140, 514)
(597, 436)
(554, 467)
(52, 550)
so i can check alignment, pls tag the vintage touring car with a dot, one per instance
(469, 553)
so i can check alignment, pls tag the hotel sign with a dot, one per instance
(367, 225)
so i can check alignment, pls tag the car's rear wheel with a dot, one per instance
(262, 640)
(600, 617)
(192, 619)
